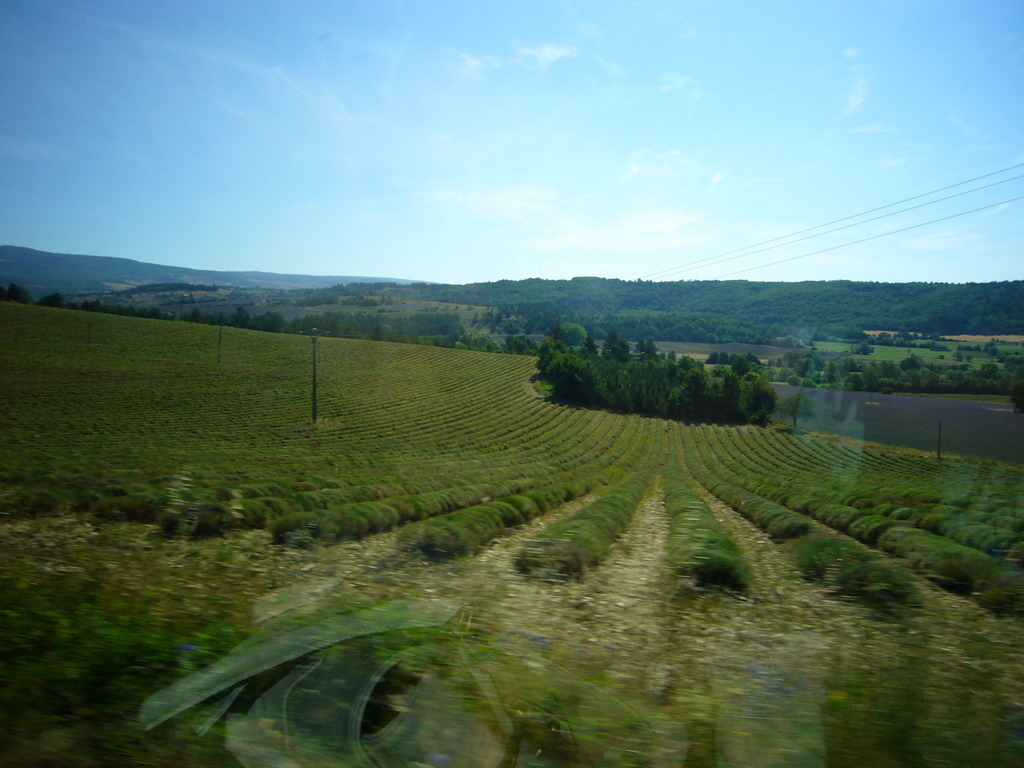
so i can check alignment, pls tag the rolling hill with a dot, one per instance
(42, 273)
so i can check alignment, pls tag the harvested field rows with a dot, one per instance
(748, 595)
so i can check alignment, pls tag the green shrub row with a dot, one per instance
(868, 523)
(956, 567)
(465, 531)
(355, 520)
(698, 546)
(852, 570)
(584, 539)
(778, 521)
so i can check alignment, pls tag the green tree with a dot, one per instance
(16, 293)
(616, 347)
(795, 407)
(758, 399)
(51, 300)
(573, 334)
(1017, 396)
(645, 350)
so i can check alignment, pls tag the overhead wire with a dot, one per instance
(873, 237)
(673, 270)
(856, 223)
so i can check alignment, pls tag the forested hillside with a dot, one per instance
(981, 308)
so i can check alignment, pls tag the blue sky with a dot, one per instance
(477, 141)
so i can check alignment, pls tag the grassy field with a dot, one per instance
(896, 354)
(386, 308)
(998, 399)
(700, 351)
(542, 570)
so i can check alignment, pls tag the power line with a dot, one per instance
(856, 223)
(835, 221)
(873, 237)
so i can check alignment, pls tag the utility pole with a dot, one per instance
(314, 334)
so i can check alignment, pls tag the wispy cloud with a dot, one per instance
(547, 221)
(944, 240)
(30, 149)
(851, 53)
(634, 169)
(717, 177)
(319, 95)
(522, 203)
(633, 232)
(684, 84)
(997, 210)
(474, 65)
(888, 161)
(955, 120)
(856, 95)
(616, 70)
(671, 165)
(543, 56)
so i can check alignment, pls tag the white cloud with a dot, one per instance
(320, 95)
(851, 53)
(521, 203)
(888, 161)
(688, 86)
(945, 240)
(474, 66)
(855, 96)
(634, 232)
(716, 177)
(955, 120)
(613, 69)
(666, 167)
(633, 169)
(544, 55)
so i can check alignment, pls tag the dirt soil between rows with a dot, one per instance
(750, 677)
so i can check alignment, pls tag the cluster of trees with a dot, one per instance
(642, 381)
(808, 368)
(440, 328)
(537, 317)
(16, 293)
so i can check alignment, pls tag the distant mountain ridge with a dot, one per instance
(42, 272)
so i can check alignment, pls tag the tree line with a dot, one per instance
(645, 382)
(838, 306)
(913, 374)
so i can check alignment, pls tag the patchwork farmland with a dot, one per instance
(637, 591)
